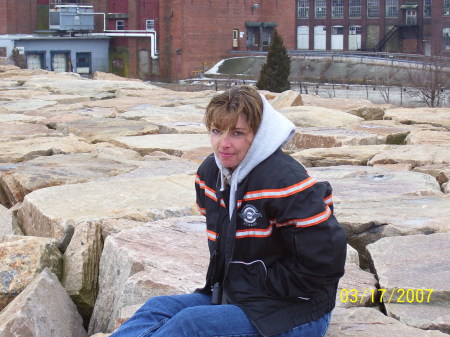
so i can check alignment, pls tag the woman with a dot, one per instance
(277, 251)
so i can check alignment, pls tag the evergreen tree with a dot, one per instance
(275, 72)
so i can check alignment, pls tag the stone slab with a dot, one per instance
(95, 130)
(364, 183)
(174, 144)
(27, 149)
(422, 316)
(182, 127)
(6, 227)
(31, 314)
(368, 322)
(358, 155)
(428, 138)
(164, 257)
(376, 204)
(286, 99)
(12, 117)
(356, 280)
(55, 211)
(69, 84)
(413, 262)
(415, 271)
(344, 104)
(433, 116)
(81, 262)
(20, 106)
(369, 113)
(55, 170)
(312, 137)
(415, 155)
(168, 98)
(393, 133)
(23, 258)
(310, 116)
(160, 115)
(19, 130)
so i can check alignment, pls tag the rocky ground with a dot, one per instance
(97, 209)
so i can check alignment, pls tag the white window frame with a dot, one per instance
(427, 8)
(337, 9)
(320, 9)
(303, 9)
(149, 25)
(391, 8)
(120, 25)
(355, 9)
(446, 38)
(373, 8)
(446, 7)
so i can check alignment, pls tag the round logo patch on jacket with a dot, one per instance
(249, 214)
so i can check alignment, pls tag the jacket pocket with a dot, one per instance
(245, 280)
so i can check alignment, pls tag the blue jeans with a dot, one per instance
(193, 315)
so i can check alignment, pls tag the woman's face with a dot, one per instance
(232, 145)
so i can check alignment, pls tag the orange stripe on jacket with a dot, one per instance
(254, 233)
(280, 193)
(311, 221)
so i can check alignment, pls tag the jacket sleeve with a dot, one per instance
(200, 194)
(315, 242)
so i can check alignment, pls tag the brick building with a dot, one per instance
(404, 26)
(196, 34)
(177, 39)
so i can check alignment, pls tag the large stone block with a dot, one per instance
(95, 130)
(55, 211)
(42, 309)
(368, 322)
(306, 138)
(174, 144)
(415, 155)
(412, 270)
(18, 180)
(23, 258)
(432, 116)
(358, 155)
(27, 149)
(164, 257)
(81, 261)
(310, 116)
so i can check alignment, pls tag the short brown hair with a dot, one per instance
(224, 109)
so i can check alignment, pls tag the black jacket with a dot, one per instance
(281, 253)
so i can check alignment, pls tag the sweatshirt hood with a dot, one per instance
(273, 133)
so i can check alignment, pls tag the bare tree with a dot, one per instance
(429, 81)
(384, 83)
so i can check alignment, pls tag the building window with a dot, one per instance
(355, 30)
(120, 25)
(391, 8)
(373, 8)
(303, 9)
(446, 38)
(427, 8)
(446, 7)
(354, 9)
(320, 9)
(337, 9)
(149, 25)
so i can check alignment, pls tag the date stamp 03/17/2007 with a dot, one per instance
(396, 295)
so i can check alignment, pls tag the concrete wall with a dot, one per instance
(97, 47)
